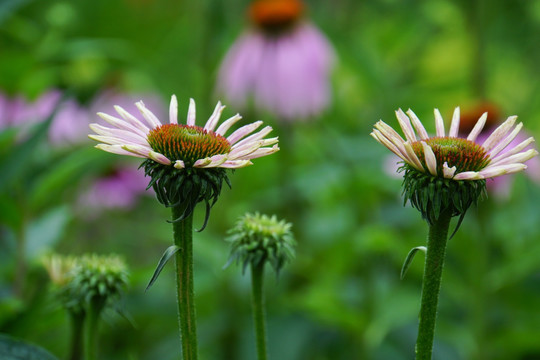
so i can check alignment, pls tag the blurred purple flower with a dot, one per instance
(119, 189)
(283, 62)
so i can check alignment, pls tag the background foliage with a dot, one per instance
(342, 297)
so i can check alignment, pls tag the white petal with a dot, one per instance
(159, 158)
(516, 158)
(122, 124)
(173, 110)
(504, 143)
(499, 133)
(243, 131)
(254, 137)
(122, 135)
(376, 134)
(223, 128)
(152, 120)
(420, 130)
(179, 164)
(213, 161)
(468, 175)
(235, 164)
(213, 120)
(448, 172)
(131, 119)
(494, 171)
(116, 149)
(439, 123)
(478, 127)
(191, 113)
(262, 152)
(454, 127)
(391, 135)
(522, 145)
(431, 160)
(405, 124)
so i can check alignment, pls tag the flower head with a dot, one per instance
(186, 162)
(449, 171)
(282, 62)
(259, 238)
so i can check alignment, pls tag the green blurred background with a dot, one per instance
(342, 297)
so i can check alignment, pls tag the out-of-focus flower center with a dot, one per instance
(465, 155)
(469, 118)
(275, 15)
(187, 143)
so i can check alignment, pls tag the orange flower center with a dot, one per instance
(275, 15)
(465, 155)
(187, 143)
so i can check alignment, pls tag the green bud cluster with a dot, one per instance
(432, 195)
(185, 187)
(83, 279)
(258, 238)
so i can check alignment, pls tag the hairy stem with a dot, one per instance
(183, 238)
(436, 248)
(259, 316)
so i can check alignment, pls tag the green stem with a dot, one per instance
(76, 343)
(183, 238)
(436, 248)
(259, 317)
(91, 336)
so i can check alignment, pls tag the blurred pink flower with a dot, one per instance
(283, 62)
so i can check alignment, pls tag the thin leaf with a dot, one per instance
(409, 259)
(171, 250)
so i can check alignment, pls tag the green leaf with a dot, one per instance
(171, 250)
(15, 349)
(409, 259)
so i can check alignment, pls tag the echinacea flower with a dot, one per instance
(282, 62)
(186, 162)
(458, 163)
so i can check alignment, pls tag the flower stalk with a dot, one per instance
(92, 326)
(77, 327)
(259, 313)
(183, 238)
(436, 249)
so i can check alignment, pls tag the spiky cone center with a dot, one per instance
(187, 143)
(464, 154)
(275, 16)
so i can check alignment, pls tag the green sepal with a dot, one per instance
(185, 187)
(171, 250)
(409, 259)
(432, 195)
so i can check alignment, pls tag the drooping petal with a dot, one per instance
(448, 172)
(262, 152)
(376, 134)
(431, 160)
(123, 124)
(213, 161)
(254, 137)
(173, 110)
(191, 113)
(116, 149)
(454, 127)
(494, 171)
(478, 127)
(468, 175)
(236, 164)
(439, 123)
(179, 164)
(516, 158)
(159, 158)
(131, 119)
(412, 158)
(522, 145)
